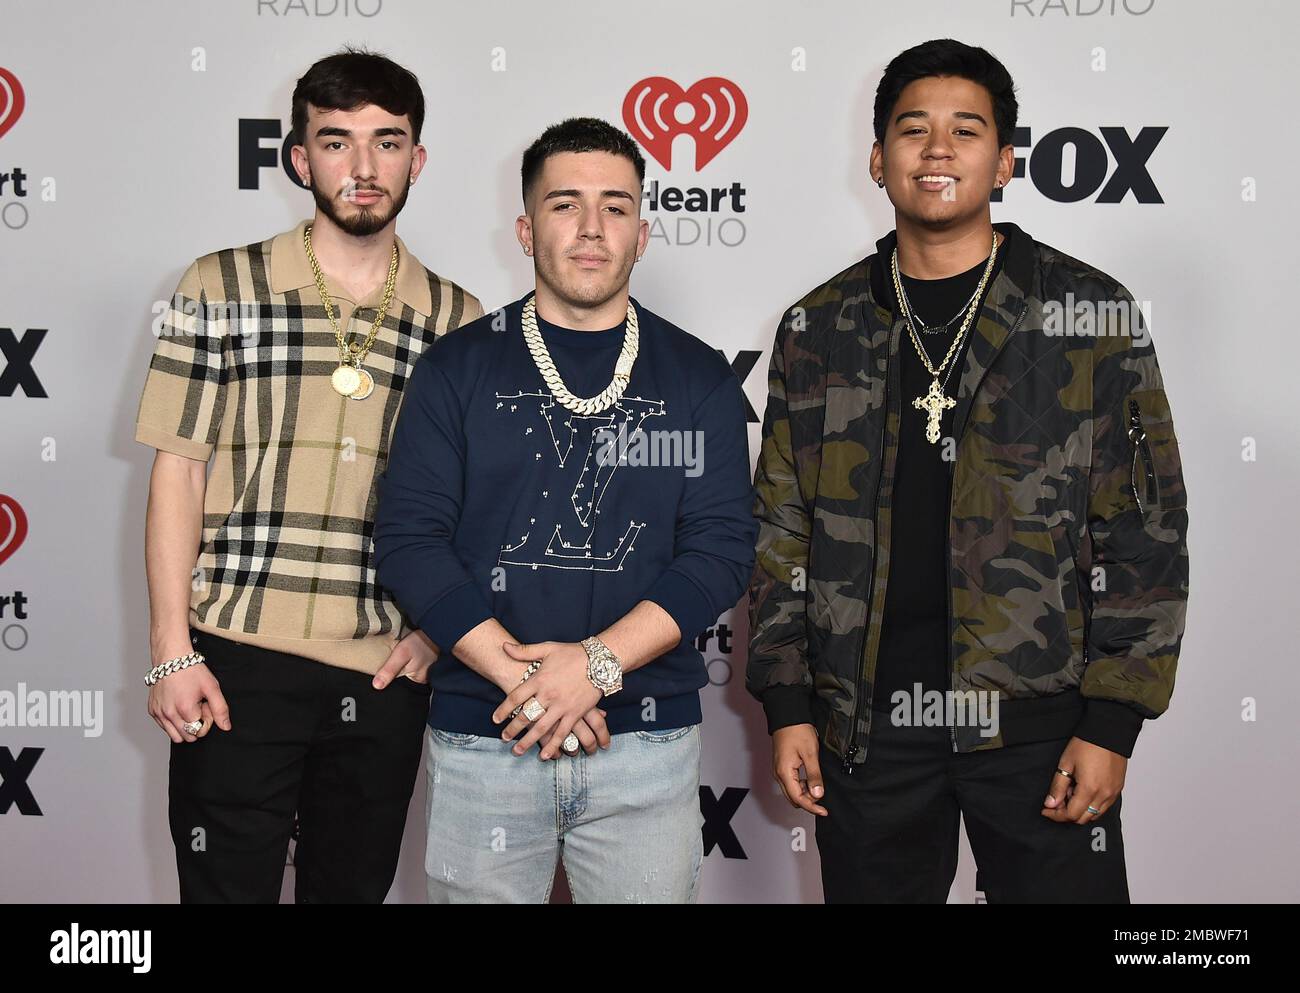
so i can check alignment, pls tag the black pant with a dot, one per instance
(305, 738)
(891, 830)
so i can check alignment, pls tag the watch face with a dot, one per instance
(607, 672)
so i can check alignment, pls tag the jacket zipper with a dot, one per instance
(1141, 448)
(947, 548)
(852, 750)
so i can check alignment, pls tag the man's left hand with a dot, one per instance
(410, 658)
(1098, 777)
(560, 685)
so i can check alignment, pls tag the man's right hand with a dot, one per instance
(191, 694)
(592, 733)
(794, 748)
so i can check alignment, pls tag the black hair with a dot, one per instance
(353, 77)
(946, 57)
(579, 134)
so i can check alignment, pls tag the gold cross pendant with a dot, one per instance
(934, 403)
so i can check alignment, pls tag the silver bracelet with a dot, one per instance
(172, 665)
(532, 668)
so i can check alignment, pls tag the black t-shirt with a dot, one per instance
(914, 636)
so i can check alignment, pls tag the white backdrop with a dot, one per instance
(128, 148)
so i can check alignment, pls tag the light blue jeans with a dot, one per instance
(626, 820)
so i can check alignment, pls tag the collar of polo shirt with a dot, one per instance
(290, 270)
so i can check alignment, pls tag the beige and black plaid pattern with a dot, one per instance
(241, 375)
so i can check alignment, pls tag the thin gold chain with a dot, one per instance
(351, 354)
(970, 312)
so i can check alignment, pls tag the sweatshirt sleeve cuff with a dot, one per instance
(455, 615)
(787, 705)
(1114, 726)
(683, 602)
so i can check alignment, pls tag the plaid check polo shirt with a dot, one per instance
(241, 376)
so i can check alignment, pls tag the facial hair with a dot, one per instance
(365, 221)
(546, 267)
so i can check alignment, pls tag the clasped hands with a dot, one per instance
(564, 691)
(561, 687)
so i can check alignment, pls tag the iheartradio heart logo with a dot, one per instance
(12, 101)
(13, 526)
(656, 110)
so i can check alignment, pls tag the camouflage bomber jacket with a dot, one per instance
(1067, 533)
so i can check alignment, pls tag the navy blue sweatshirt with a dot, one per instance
(499, 502)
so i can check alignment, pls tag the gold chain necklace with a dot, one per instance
(349, 379)
(546, 366)
(934, 402)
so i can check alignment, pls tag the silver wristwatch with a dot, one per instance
(603, 667)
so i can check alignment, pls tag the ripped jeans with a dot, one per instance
(626, 821)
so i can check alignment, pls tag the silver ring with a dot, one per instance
(1093, 810)
(570, 744)
(533, 709)
(193, 727)
(532, 668)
